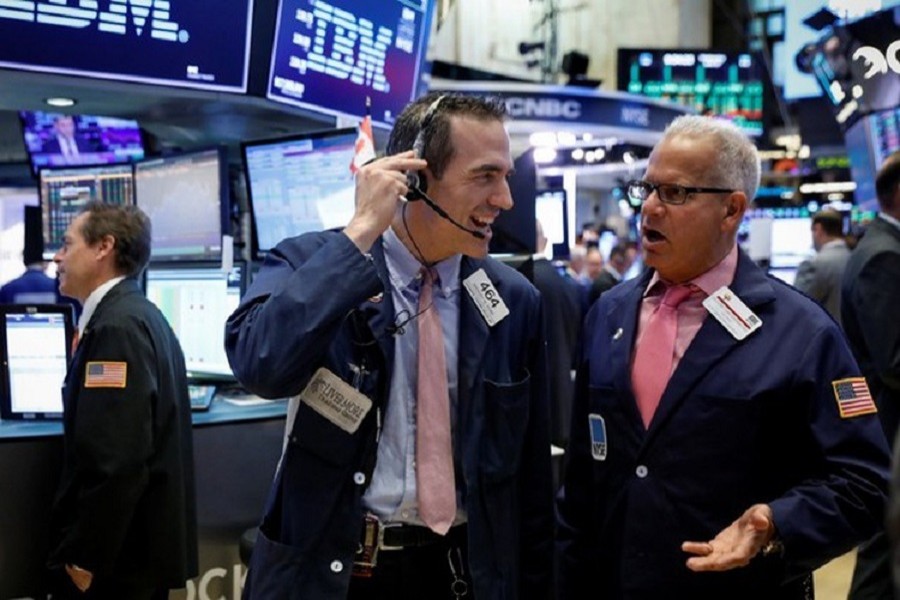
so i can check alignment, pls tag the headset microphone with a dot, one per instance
(417, 194)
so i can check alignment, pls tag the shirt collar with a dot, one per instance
(93, 300)
(893, 221)
(404, 268)
(720, 275)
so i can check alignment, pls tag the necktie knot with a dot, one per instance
(676, 294)
(429, 277)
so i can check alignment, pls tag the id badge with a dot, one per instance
(336, 400)
(598, 436)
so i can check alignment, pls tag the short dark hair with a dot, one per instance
(618, 250)
(438, 150)
(831, 222)
(128, 225)
(887, 181)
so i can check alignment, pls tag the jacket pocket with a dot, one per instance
(506, 416)
(274, 569)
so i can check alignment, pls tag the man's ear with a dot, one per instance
(105, 246)
(735, 205)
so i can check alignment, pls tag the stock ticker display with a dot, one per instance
(722, 84)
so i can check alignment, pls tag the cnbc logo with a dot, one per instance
(152, 15)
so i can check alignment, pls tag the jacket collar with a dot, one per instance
(711, 344)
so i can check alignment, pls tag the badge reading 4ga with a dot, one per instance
(486, 297)
(336, 400)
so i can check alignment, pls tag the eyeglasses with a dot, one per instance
(669, 193)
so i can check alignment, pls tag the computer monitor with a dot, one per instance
(95, 140)
(551, 210)
(299, 183)
(35, 346)
(186, 197)
(785, 274)
(196, 300)
(65, 191)
(791, 238)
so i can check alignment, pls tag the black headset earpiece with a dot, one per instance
(416, 182)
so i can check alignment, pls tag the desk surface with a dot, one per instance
(222, 410)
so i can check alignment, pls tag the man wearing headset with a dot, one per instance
(337, 319)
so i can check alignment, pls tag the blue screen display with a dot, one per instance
(188, 43)
(330, 55)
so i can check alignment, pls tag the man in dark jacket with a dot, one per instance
(339, 319)
(124, 518)
(563, 312)
(724, 443)
(870, 296)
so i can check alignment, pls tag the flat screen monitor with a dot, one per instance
(200, 44)
(34, 351)
(56, 140)
(550, 208)
(330, 55)
(885, 127)
(186, 198)
(298, 184)
(791, 238)
(728, 85)
(65, 191)
(785, 274)
(196, 301)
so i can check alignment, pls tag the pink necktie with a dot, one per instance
(656, 352)
(435, 484)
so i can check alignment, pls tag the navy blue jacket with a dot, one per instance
(318, 301)
(740, 423)
(31, 287)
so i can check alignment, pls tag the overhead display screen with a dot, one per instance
(331, 55)
(188, 43)
(722, 84)
(55, 139)
(856, 66)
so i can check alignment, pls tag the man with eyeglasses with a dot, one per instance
(723, 442)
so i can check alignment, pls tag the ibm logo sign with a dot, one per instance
(152, 14)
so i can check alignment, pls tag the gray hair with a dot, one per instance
(737, 164)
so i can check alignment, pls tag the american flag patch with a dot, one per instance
(105, 374)
(853, 397)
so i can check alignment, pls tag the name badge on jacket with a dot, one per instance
(336, 400)
(732, 313)
(486, 297)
